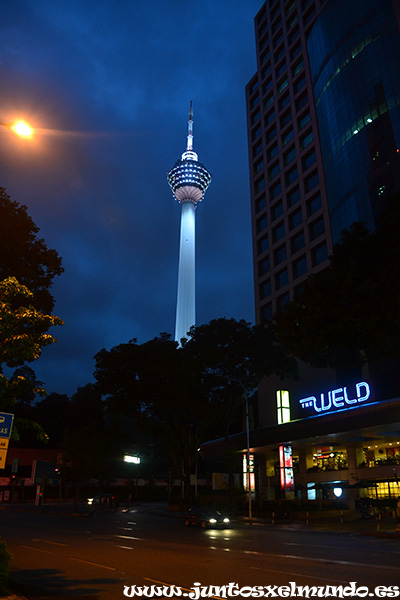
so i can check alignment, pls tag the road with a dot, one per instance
(101, 556)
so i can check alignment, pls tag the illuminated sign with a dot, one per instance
(338, 399)
(250, 474)
(286, 468)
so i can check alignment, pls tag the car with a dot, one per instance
(200, 516)
(105, 500)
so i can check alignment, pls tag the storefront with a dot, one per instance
(347, 445)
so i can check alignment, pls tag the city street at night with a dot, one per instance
(97, 556)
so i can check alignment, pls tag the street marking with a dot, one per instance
(298, 575)
(178, 586)
(48, 542)
(36, 549)
(92, 563)
(323, 560)
(127, 537)
(124, 547)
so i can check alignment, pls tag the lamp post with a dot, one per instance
(19, 127)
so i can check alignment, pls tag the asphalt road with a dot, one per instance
(100, 557)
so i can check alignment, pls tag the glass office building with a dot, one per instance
(354, 57)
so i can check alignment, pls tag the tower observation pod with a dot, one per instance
(188, 180)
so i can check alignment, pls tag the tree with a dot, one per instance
(23, 334)
(347, 315)
(25, 256)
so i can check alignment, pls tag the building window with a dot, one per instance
(275, 190)
(268, 101)
(306, 140)
(277, 210)
(309, 160)
(259, 185)
(272, 151)
(254, 101)
(266, 313)
(262, 224)
(311, 182)
(264, 267)
(286, 118)
(273, 171)
(257, 149)
(295, 52)
(298, 67)
(278, 232)
(282, 301)
(300, 267)
(289, 135)
(282, 85)
(281, 279)
(280, 255)
(270, 117)
(258, 167)
(319, 255)
(293, 197)
(289, 155)
(295, 218)
(301, 101)
(292, 175)
(263, 244)
(256, 133)
(317, 228)
(261, 203)
(297, 242)
(303, 120)
(284, 101)
(270, 134)
(314, 204)
(299, 84)
(265, 289)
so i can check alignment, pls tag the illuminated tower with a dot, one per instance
(189, 180)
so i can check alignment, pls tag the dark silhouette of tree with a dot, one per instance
(24, 255)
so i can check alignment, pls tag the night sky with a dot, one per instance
(107, 86)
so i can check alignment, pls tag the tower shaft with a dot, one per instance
(186, 297)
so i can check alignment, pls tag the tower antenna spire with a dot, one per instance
(189, 147)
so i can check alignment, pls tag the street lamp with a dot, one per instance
(19, 127)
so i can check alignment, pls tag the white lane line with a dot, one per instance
(48, 542)
(330, 561)
(124, 547)
(36, 549)
(87, 562)
(298, 575)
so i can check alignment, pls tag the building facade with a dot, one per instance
(323, 113)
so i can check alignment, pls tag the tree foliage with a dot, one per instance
(348, 315)
(24, 255)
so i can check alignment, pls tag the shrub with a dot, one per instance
(5, 560)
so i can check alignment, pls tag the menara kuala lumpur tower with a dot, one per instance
(189, 180)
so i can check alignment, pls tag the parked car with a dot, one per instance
(206, 517)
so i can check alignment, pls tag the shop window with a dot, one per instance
(330, 460)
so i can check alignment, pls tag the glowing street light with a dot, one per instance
(20, 128)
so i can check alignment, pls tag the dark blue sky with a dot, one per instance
(107, 85)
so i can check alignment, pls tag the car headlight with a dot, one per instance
(226, 520)
(213, 520)
(90, 501)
